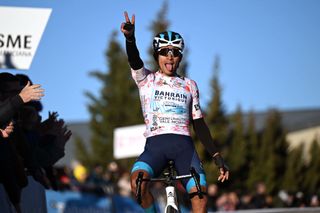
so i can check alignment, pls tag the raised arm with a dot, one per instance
(127, 28)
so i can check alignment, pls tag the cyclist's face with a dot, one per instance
(169, 59)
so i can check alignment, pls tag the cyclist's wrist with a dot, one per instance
(218, 160)
(130, 39)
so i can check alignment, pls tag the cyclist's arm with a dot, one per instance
(199, 125)
(203, 133)
(128, 28)
(201, 129)
(133, 53)
(138, 72)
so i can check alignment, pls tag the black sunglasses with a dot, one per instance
(165, 51)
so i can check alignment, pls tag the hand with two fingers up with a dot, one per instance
(127, 27)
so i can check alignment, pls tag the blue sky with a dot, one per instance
(269, 49)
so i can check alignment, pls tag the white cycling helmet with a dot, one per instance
(168, 38)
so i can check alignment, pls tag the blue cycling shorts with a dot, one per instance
(160, 149)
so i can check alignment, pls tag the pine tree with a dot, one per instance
(254, 154)
(81, 152)
(311, 181)
(238, 150)
(216, 116)
(273, 152)
(252, 136)
(183, 67)
(160, 24)
(293, 177)
(117, 105)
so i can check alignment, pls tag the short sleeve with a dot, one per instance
(139, 75)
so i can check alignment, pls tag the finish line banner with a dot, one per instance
(20, 33)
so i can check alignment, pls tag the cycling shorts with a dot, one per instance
(160, 149)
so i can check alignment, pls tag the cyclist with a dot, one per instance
(170, 103)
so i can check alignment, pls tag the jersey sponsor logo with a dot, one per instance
(168, 107)
(153, 129)
(164, 120)
(178, 121)
(172, 120)
(176, 110)
(170, 104)
(174, 96)
(197, 107)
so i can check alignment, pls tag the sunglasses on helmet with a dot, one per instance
(174, 51)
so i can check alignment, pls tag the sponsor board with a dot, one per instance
(128, 141)
(20, 34)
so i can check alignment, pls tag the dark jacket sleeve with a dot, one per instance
(47, 153)
(8, 109)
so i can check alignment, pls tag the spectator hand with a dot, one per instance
(60, 130)
(63, 137)
(46, 125)
(7, 131)
(31, 92)
(57, 128)
(223, 168)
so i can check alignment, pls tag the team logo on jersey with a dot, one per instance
(170, 96)
(176, 110)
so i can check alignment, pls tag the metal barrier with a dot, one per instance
(75, 202)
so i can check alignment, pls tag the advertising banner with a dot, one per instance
(20, 33)
(128, 141)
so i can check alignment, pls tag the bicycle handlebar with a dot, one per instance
(138, 190)
(169, 179)
(196, 178)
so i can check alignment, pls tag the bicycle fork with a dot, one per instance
(171, 198)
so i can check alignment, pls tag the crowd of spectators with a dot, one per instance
(29, 146)
(111, 179)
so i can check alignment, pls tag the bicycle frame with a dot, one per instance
(171, 198)
(169, 179)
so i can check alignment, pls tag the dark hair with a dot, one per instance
(9, 85)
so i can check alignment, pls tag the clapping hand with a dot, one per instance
(47, 124)
(57, 128)
(7, 130)
(31, 92)
(63, 135)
